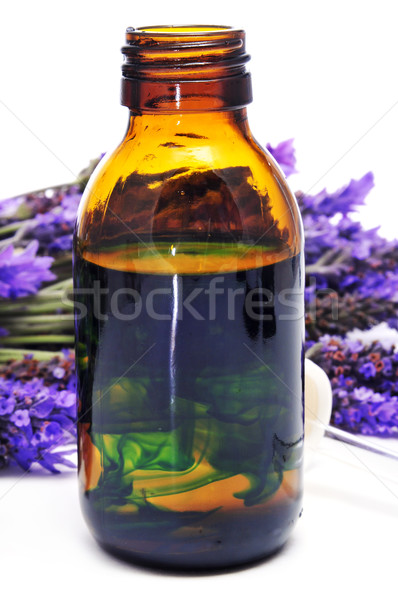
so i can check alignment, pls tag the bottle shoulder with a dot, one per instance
(223, 187)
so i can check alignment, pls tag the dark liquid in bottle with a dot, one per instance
(191, 407)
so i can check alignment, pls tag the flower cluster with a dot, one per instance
(37, 382)
(54, 228)
(35, 249)
(349, 269)
(46, 216)
(351, 283)
(37, 412)
(364, 382)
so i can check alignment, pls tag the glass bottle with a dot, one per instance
(189, 317)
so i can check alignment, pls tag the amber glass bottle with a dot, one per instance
(189, 317)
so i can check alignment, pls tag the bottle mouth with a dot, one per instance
(184, 52)
(182, 29)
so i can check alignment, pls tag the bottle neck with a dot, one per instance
(185, 69)
(188, 96)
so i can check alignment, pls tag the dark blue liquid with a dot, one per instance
(191, 403)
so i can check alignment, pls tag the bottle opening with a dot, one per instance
(173, 29)
(185, 67)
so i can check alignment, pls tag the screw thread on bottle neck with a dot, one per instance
(187, 68)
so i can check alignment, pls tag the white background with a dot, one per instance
(324, 73)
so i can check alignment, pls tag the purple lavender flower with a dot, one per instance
(284, 156)
(338, 418)
(354, 345)
(358, 265)
(388, 411)
(54, 228)
(362, 394)
(7, 405)
(65, 399)
(20, 418)
(379, 285)
(387, 368)
(70, 203)
(37, 416)
(42, 409)
(63, 214)
(62, 243)
(23, 273)
(343, 201)
(37, 438)
(349, 280)
(52, 430)
(368, 370)
(365, 399)
(320, 236)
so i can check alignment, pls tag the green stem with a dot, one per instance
(19, 353)
(52, 296)
(43, 307)
(40, 328)
(19, 233)
(63, 260)
(38, 339)
(313, 351)
(58, 285)
(10, 228)
(35, 319)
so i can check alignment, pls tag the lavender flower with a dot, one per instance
(284, 156)
(345, 200)
(368, 370)
(61, 244)
(7, 405)
(37, 414)
(23, 273)
(54, 228)
(364, 383)
(348, 267)
(20, 418)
